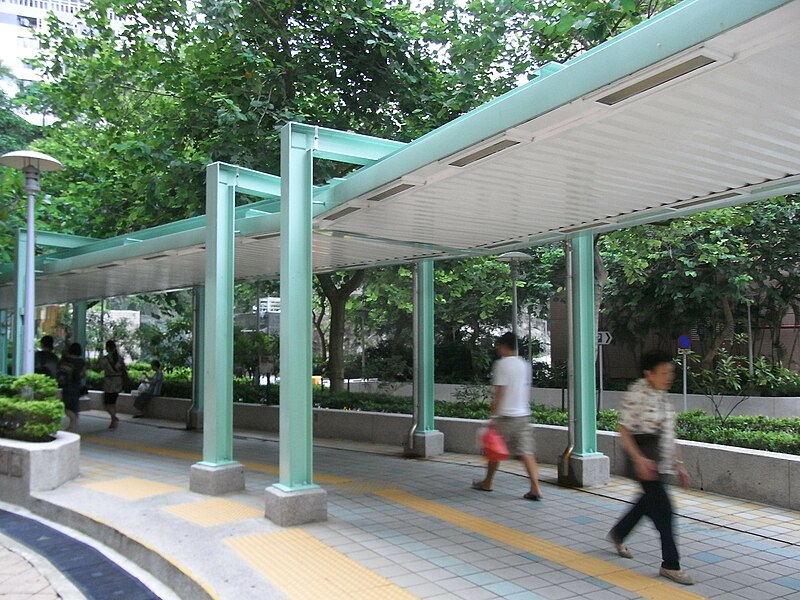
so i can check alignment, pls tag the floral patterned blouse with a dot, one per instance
(645, 409)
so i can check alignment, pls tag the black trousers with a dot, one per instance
(654, 503)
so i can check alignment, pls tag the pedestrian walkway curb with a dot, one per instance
(184, 584)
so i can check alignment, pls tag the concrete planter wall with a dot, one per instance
(756, 475)
(756, 405)
(27, 467)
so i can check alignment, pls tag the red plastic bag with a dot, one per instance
(493, 446)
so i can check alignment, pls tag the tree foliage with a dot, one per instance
(699, 273)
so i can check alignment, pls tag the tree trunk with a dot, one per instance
(318, 318)
(719, 338)
(337, 297)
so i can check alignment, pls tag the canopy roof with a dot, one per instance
(694, 109)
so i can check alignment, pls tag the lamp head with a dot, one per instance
(31, 163)
(512, 257)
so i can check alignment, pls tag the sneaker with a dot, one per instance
(620, 548)
(678, 576)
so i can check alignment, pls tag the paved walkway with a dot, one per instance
(397, 528)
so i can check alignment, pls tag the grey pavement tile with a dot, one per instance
(425, 590)
(554, 592)
(477, 593)
(558, 576)
(454, 584)
(749, 578)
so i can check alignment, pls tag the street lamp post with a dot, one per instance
(31, 164)
(513, 258)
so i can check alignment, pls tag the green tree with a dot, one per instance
(15, 134)
(698, 272)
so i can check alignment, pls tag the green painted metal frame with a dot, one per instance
(45, 239)
(198, 346)
(79, 322)
(300, 144)
(424, 345)
(218, 323)
(683, 26)
(3, 341)
(584, 339)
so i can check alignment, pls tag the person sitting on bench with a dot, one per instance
(153, 389)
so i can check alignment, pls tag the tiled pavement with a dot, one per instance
(402, 528)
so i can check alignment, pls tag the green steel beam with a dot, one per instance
(424, 343)
(79, 323)
(345, 146)
(218, 329)
(583, 342)
(61, 240)
(198, 346)
(296, 455)
(250, 182)
(3, 342)
(672, 31)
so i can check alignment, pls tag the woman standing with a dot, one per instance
(647, 430)
(114, 370)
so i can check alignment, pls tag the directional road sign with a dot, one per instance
(604, 338)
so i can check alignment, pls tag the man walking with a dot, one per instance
(511, 413)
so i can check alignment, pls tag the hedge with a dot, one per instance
(30, 420)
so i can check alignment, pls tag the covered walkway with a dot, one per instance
(402, 528)
(693, 109)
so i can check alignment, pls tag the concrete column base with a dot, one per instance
(216, 480)
(426, 443)
(585, 471)
(194, 420)
(288, 509)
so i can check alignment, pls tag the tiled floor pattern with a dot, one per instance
(428, 534)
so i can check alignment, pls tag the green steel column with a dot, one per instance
(198, 347)
(218, 330)
(19, 286)
(79, 323)
(423, 348)
(3, 342)
(296, 456)
(583, 342)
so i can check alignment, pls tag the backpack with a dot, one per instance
(67, 373)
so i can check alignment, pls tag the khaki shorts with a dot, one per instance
(518, 435)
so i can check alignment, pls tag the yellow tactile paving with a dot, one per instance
(306, 569)
(618, 576)
(215, 511)
(194, 457)
(132, 488)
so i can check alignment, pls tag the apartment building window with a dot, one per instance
(27, 43)
(29, 22)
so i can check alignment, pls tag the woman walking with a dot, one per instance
(114, 370)
(71, 371)
(647, 430)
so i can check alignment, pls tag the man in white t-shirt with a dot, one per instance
(511, 413)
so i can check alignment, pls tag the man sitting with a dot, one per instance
(153, 389)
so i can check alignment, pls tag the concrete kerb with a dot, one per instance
(139, 553)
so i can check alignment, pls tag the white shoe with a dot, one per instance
(621, 548)
(678, 576)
